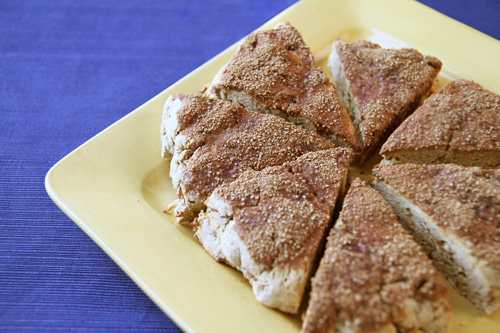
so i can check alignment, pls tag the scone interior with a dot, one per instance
(273, 71)
(459, 124)
(454, 213)
(373, 276)
(270, 224)
(380, 87)
(212, 141)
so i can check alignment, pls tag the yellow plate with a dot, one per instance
(115, 185)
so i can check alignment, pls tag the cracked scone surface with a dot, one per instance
(459, 124)
(454, 213)
(373, 275)
(212, 141)
(380, 87)
(273, 71)
(270, 224)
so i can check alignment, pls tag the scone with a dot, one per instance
(459, 124)
(373, 276)
(380, 87)
(212, 141)
(454, 213)
(270, 224)
(273, 71)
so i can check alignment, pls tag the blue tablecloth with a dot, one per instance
(68, 69)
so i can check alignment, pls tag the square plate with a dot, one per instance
(115, 185)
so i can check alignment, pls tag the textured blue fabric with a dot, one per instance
(68, 69)
(482, 15)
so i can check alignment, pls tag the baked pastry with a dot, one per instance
(270, 224)
(273, 71)
(454, 213)
(213, 141)
(373, 277)
(380, 87)
(459, 124)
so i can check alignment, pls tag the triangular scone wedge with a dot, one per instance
(380, 87)
(454, 213)
(270, 224)
(273, 71)
(459, 124)
(373, 276)
(213, 141)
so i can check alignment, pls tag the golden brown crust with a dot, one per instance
(462, 201)
(276, 68)
(221, 140)
(461, 117)
(387, 85)
(371, 271)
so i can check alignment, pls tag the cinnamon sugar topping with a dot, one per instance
(371, 268)
(281, 213)
(219, 140)
(460, 117)
(387, 85)
(465, 202)
(277, 68)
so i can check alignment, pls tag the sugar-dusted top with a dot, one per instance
(386, 84)
(460, 117)
(463, 201)
(281, 213)
(371, 266)
(277, 68)
(223, 140)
